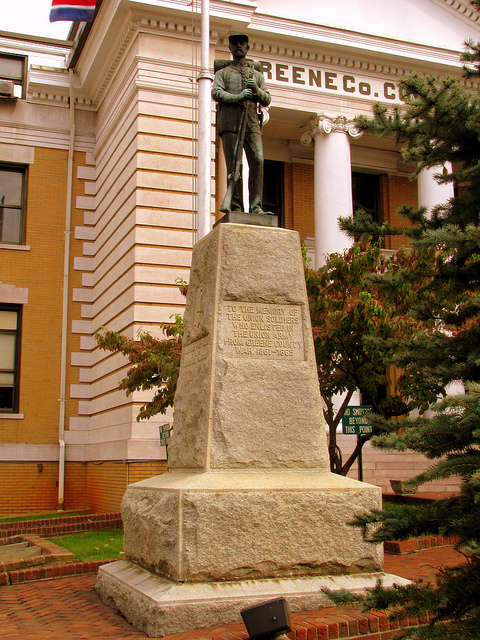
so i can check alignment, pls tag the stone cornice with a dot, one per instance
(462, 8)
(347, 44)
(308, 44)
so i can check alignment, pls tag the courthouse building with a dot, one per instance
(98, 201)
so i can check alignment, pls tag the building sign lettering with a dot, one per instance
(347, 84)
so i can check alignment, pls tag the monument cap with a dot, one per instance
(238, 36)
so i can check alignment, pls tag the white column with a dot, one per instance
(332, 181)
(430, 193)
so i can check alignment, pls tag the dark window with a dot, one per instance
(12, 204)
(12, 69)
(273, 195)
(10, 323)
(366, 193)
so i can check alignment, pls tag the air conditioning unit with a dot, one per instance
(6, 89)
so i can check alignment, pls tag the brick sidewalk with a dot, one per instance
(69, 609)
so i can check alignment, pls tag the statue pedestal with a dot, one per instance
(248, 510)
(240, 217)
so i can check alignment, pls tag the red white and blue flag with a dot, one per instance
(72, 10)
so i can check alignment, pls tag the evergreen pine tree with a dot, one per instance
(439, 123)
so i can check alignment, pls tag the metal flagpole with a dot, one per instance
(204, 125)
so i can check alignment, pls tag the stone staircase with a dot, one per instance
(20, 552)
(23, 546)
(16, 550)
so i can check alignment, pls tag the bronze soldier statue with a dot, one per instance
(240, 90)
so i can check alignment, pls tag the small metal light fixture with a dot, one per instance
(266, 620)
(39, 467)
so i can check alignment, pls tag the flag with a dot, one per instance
(72, 10)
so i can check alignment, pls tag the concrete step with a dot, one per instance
(8, 549)
(12, 552)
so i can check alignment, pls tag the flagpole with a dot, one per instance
(204, 125)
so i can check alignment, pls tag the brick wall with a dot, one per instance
(76, 486)
(396, 191)
(141, 470)
(91, 487)
(28, 488)
(288, 194)
(107, 481)
(379, 467)
(303, 200)
(24, 488)
(39, 270)
(106, 484)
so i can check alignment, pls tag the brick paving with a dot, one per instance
(69, 608)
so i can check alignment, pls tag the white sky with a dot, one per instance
(31, 17)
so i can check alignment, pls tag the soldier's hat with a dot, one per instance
(238, 36)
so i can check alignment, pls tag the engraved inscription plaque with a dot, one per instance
(195, 352)
(264, 331)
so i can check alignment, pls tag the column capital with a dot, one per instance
(323, 124)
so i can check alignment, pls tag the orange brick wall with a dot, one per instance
(141, 470)
(303, 200)
(76, 487)
(26, 489)
(91, 487)
(288, 194)
(396, 191)
(107, 481)
(106, 484)
(39, 270)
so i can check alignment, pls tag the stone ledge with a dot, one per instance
(160, 607)
(62, 525)
(418, 544)
(52, 571)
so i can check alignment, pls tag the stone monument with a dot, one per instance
(248, 510)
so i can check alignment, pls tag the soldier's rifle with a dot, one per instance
(237, 166)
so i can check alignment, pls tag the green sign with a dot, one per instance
(354, 421)
(164, 430)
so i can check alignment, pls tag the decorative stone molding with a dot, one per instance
(11, 294)
(323, 124)
(464, 8)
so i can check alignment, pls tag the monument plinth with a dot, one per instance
(248, 510)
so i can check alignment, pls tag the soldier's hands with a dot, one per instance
(246, 94)
(251, 84)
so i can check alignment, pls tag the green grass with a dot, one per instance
(41, 516)
(93, 545)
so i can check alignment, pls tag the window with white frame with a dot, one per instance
(12, 204)
(10, 325)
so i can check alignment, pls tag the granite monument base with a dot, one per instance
(249, 509)
(160, 607)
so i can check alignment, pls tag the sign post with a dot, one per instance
(354, 422)
(164, 430)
